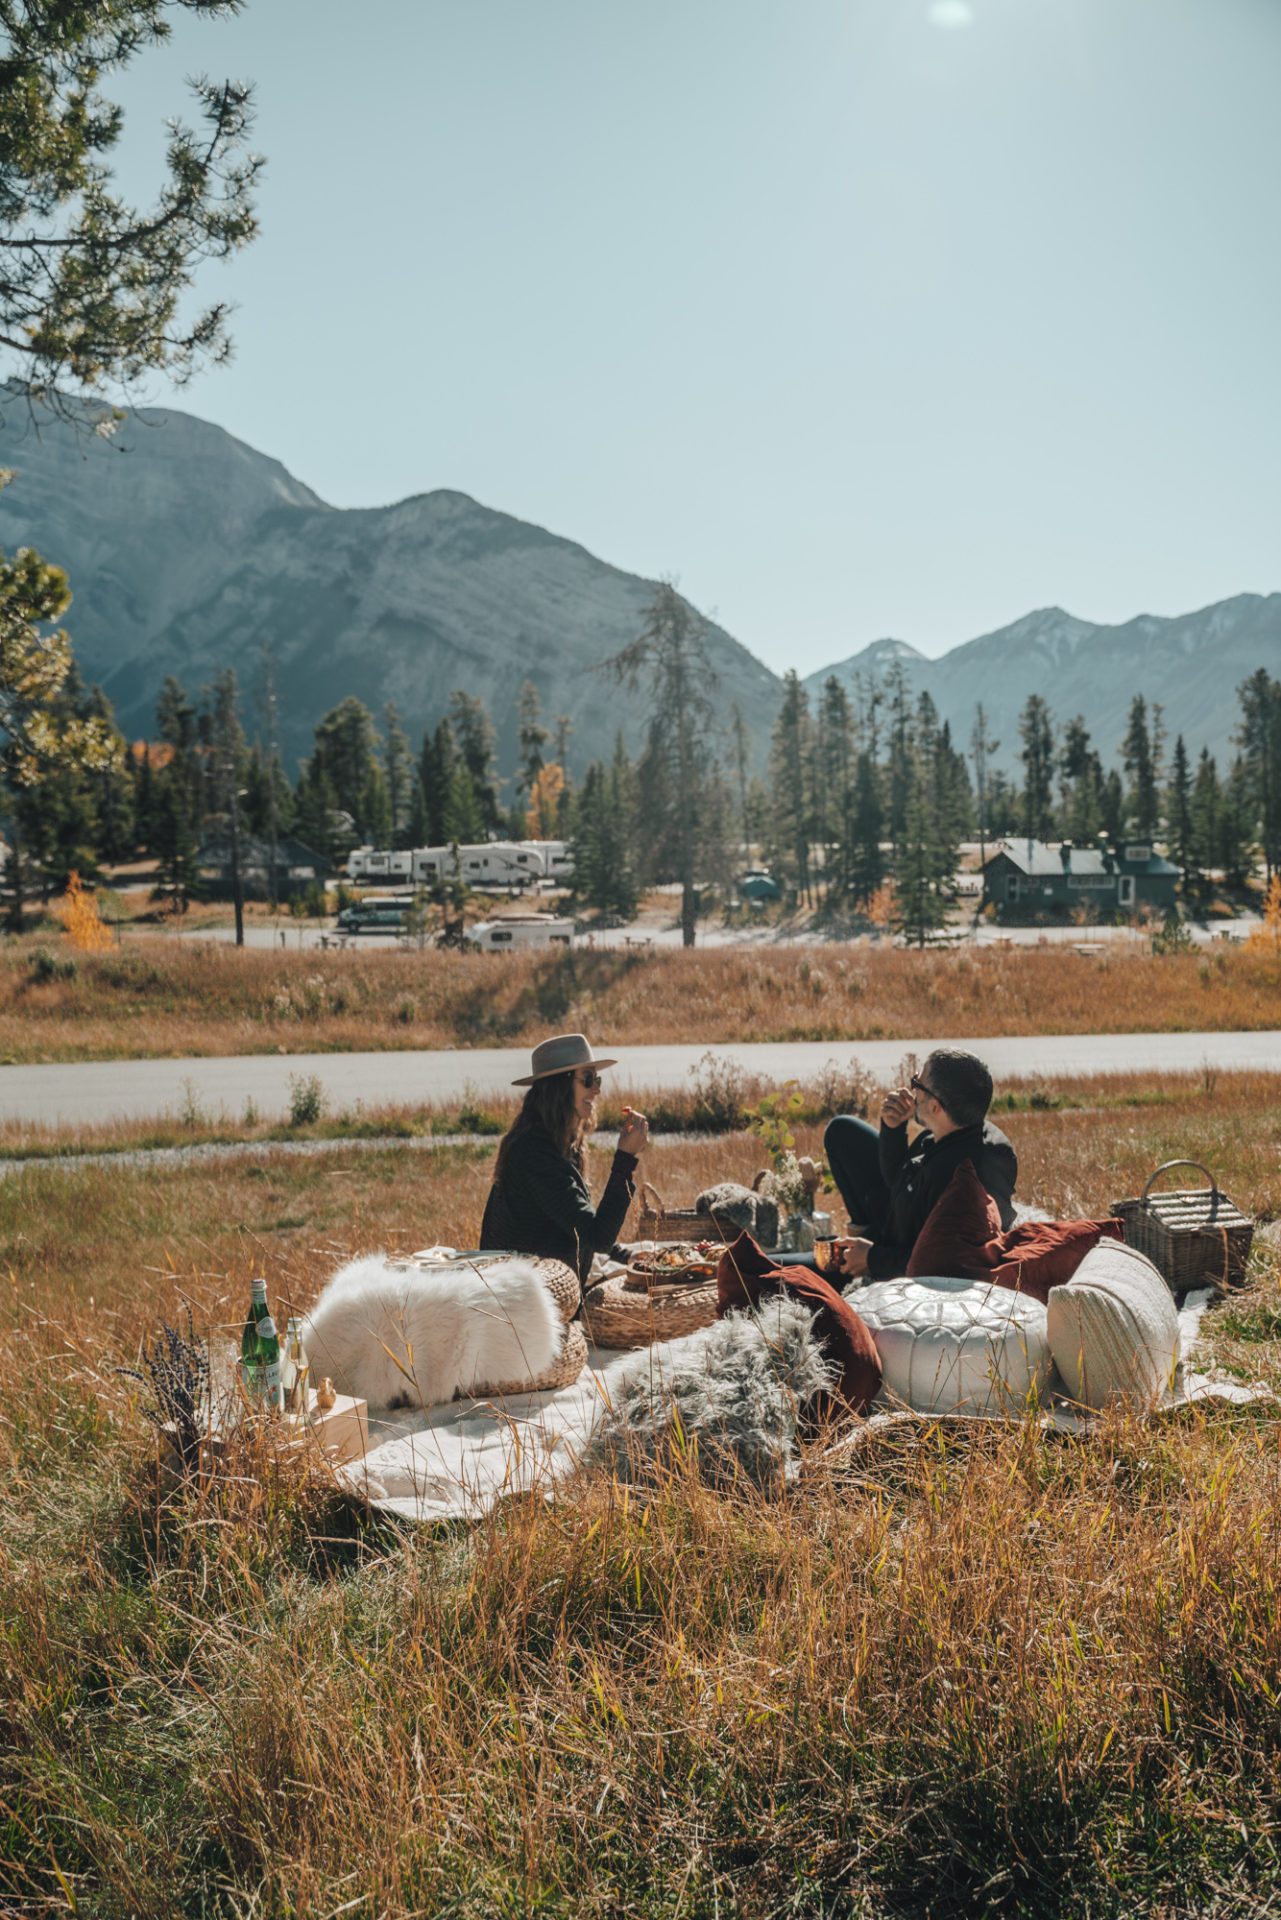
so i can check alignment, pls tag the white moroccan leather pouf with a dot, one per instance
(1114, 1329)
(956, 1346)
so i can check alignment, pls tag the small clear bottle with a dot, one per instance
(295, 1371)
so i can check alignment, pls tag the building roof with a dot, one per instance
(1041, 861)
(216, 852)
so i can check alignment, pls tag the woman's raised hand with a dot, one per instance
(633, 1135)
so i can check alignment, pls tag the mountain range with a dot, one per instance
(188, 551)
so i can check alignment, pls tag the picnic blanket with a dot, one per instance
(456, 1462)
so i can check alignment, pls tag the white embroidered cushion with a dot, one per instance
(956, 1346)
(1114, 1328)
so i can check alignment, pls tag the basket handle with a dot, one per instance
(1165, 1168)
(651, 1198)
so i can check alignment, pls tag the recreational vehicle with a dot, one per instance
(521, 930)
(372, 863)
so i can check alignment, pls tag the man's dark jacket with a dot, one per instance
(542, 1204)
(918, 1174)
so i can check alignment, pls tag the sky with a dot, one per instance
(856, 317)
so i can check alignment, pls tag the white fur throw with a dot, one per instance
(1114, 1329)
(404, 1336)
(734, 1387)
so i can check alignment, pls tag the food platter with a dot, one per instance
(676, 1267)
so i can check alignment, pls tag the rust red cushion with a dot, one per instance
(1044, 1253)
(962, 1237)
(959, 1230)
(746, 1274)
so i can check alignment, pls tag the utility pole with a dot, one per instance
(237, 891)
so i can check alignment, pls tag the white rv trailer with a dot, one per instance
(554, 856)
(372, 863)
(521, 930)
(492, 863)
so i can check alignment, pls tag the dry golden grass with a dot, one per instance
(989, 1672)
(157, 997)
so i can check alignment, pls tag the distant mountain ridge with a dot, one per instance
(1190, 664)
(188, 549)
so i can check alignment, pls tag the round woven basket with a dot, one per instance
(561, 1373)
(616, 1317)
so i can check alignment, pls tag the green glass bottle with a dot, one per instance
(260, 1352)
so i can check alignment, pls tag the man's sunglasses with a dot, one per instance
(590, 1079)
(923, 1087)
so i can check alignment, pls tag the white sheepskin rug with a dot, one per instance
(735, 1388)
(401, 1336)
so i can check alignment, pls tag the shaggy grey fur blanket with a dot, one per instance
(734, 1388)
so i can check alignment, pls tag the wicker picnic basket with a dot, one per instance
(658, 1221)
(616, 1316)
(1195, 1235)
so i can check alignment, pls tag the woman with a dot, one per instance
(539, 1202)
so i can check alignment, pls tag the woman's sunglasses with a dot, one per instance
(590, 1079)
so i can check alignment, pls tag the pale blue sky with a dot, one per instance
(861, 317)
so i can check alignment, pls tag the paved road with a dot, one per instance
(291, 935)
(106, 1090)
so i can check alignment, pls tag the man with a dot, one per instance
(890, 1187)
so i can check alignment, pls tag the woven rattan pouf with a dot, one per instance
(560, 1281)
(561, 1373)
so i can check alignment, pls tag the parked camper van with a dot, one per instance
(521, 930)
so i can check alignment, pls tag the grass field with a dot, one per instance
(995, 1672)
(156, 998)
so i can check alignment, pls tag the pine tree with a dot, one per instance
(982, 746)
(418, 829)
(924, 873)
(1081, 778)
(346, 752)
(671, 656)
(1206, 804)
(399, 776)
(531, 737)
(740, 756)
(790, 750)
(1179, 813)
(473, 731)
(1259, 737)
(902, 743)
(1037, 754)
(835, 764)
(867, 862)
(442, 766)
(1138, 761)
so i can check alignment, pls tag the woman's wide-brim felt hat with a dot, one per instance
(561, 1055)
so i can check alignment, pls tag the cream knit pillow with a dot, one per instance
(1114, 1329)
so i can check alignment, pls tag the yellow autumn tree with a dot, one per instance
(82, 924)
(1267, 938)
(544, 802)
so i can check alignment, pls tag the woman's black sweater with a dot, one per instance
(542, 1205)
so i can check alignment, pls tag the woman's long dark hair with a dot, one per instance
(549, 1107)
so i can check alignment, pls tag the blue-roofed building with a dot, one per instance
(1031, 879)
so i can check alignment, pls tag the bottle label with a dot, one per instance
(267, 1329)
(262, 1382)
